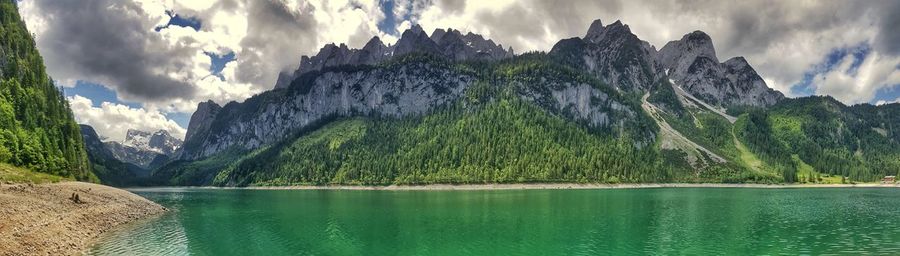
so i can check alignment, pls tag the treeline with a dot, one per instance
(504, 141)
(37, 129)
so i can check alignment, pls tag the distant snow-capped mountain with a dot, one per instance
(144, 148)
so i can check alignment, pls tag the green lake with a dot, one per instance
(695, 221)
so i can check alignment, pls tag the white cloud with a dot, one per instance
(885, 102)
(858, 85)
(113, 120)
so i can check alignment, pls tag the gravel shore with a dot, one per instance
(46, 219)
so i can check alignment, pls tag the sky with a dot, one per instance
(146, 64)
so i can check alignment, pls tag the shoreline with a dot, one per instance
(43, 219)
(532, 186)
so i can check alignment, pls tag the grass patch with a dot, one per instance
(748, 158)
(13, 174)
(807, 174)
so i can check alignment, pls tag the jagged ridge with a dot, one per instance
(448, 43)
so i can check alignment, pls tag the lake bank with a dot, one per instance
(45, 219)
(530, 186)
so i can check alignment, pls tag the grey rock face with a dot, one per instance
(692, 64)
(581, 102)
(92, 142)
(679, 55)
(202, 118)
(448, 43)
(614, 55)
(415, 40)
(394, 92)
(408, 89)
(163, 142)
(457, 46)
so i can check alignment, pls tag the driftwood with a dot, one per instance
(75, 198)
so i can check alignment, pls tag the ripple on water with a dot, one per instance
(704, 221)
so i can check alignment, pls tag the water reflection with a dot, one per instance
(525, 222)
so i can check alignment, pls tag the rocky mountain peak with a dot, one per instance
(597, 32)
(137, 137)
(163, 142)
(438, 34)
(202, 118)
(737, 63)
(689, 47)
(416, 29)
(595, 29)
(700, 43)
(691, 63)
(415, 40)
(618, 25)
(92, 141)
(613, 54)
(449, 43)
(160, 141)
(374, 43)
(141, 147)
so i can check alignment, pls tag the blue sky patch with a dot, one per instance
(806, 87)
(887, 94)
(182, 119)
(97, 94)
(181, 21)
(388, 24)
(218, 63)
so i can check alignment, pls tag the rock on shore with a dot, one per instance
(46, 219)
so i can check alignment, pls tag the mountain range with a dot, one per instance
(606, 107)
(132, 159)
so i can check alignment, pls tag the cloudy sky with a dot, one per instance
(145, 64)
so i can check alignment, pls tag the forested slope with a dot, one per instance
(37, 129)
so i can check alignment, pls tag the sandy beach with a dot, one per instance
(44, 219)
(562, 186)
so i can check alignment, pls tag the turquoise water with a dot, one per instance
(697, 221)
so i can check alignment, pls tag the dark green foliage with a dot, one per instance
(755, 130)
(504, 141)
(37, 130)
(192, 173)
(856, 142)
(663, 96)
(570, 51)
